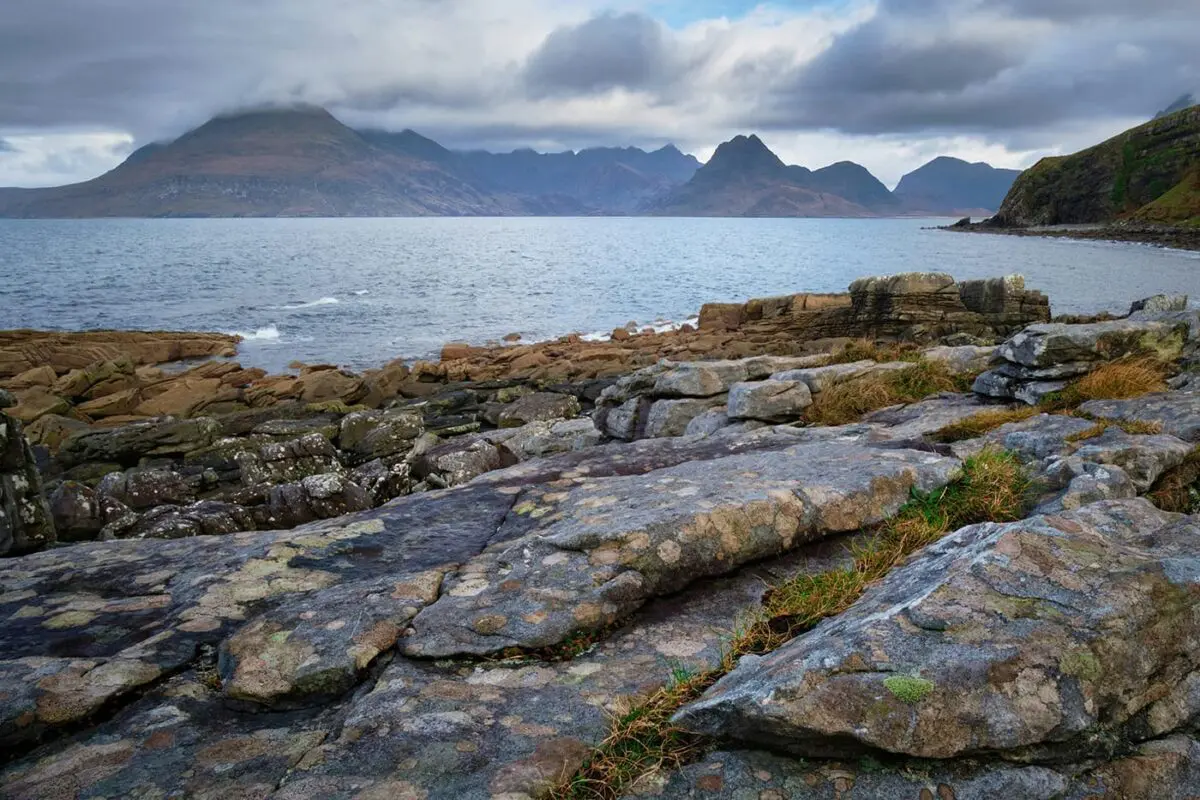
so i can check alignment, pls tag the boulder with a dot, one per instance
(818, 379)
(97, 380)
(287, 462)
(36, 402)
(186, 397)
(52, 430)
(961, 360)
(117, 404)
(315, 497)
(540, 439)
(700, 378)
(539, 407)
(141, 489)
(1178, 412)
(1057, 343)
(369, 435)
(461, 460)
(709, 422)
(769, 401)
(128, 444)
(1035, 640)
(1160, 303)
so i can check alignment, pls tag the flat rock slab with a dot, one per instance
(930, 415)
(417, 729)
(768, 401)
(1057, 343)
(580, 556)
(1032, 439)
(1177, 412)
(1033, 640)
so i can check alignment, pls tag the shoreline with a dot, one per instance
(1187, 239)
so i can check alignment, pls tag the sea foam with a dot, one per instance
(324, 301)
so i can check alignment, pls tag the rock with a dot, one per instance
(672, 417)
(701, 378)
(206, 518)
(316, 385)
(23, 350)
(368, 435)
(930, 415)
(129, 443)
(6, 399)
(1177, 412)
(818, 379)
(539, 407)
(315, 497)
(620, 335)
(459, 461)
(1160, 303)
(97, 380)
(1032, 640)
(187, 397)
(287, 462)
(709, 422)
(1143, 458)
(52, 430)
(117, 404)
(38, 376)
(577, 559)
(142, 489)
(383, 482)
(1082, 483)
(540, 439)
(1057, 343)
(1031, 440)
(961, 360)
(76, 511)
(628, 421)
(36, 402)
(25, 520)
(769, 401)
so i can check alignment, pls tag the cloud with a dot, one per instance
(5, 147)
(1006, 79)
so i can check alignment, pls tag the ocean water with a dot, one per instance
(359, 292)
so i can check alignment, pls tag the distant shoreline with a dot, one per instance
(1167, 237)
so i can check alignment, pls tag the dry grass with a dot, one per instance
(1119, 380)
(643, 739)
(850, 400)
(870, 350)
(1179, 489)
(981, 423)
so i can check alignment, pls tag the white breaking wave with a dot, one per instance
(267, 334)
(324, 301)
(361, 292)
(659, 327)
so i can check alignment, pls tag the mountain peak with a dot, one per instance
(745, 154)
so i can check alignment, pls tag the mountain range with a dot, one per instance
(304, 162)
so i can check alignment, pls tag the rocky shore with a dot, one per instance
(1179, 238)
(912, 540)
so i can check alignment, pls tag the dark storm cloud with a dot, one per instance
(998, 69)
(627, 51)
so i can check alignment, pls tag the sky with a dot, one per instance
(890, 84)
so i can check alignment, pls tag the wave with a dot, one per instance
(658, 327)
(267, 334)
(324, 301)
(361, 292)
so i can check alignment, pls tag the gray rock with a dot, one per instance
(963, 359)
(539, 407)
(1031, 639)
(206, 518)
(6, 399)
(930, 415)
(1143, 458)
(1160, 303)
(368, 435)
(540, 439)
(709, 422)
(672, 417)
(460, 461)
(130, 443)
(818, 379)
(141, 489)
(25, 519)
(627, 421)
(287, 462)
(314, 498)
(1056, 343)
(769, 401)
(701, 378)
(1082, 483)
(580, 558)
(1032, 439)
(1177, 412)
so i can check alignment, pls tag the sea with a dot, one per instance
(361, 292)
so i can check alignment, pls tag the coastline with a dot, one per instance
(1156, 236)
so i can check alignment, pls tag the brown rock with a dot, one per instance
(22, 350)
(38, 376)
(113, 405)
(37, 402)
(620, 335)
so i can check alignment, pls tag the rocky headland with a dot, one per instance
(912, 540)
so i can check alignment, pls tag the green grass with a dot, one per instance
(642, 738)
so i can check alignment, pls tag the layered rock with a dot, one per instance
(23, 351)
(1036, 640)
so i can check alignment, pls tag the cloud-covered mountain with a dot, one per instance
(301, 161)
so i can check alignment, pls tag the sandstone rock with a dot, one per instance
(38, 376)
(117, 404)
(769, 401)
(24, 350)
(86, 383)
(186, 397)
(672, 417)
(1029, 639)
(539, 407)
(52, 430)
(323, 385)
(37, 402)
(581, 558)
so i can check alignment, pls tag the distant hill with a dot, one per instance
(302, 161)
(745, 179)
(953, 185)
(291, 162)
(1147, 173)
(1186, 100)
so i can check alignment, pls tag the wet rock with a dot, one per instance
(539, 407)
(1177, 412)
(580, 558)
(1033, 639)
(769, 401)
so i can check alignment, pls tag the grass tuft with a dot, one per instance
(1119, 380)
(850, 400)
(981, 423)
(642, 740)
(870, 350)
